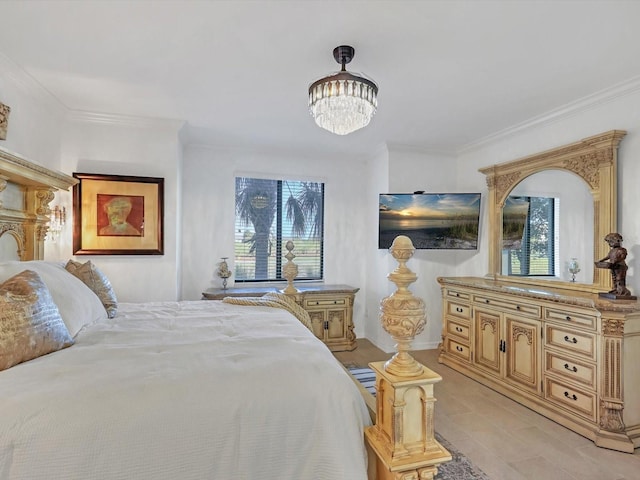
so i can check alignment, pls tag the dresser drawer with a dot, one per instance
(576, 400)
(320, 302)
(566, 367)
(522, 308)
(459, 310)
(459, 349)
(580, 343)
(569, 317)
(459, 329)
(452, 293)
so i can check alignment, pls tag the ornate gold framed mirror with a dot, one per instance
(594, 160)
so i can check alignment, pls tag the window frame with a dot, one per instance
(278, 225)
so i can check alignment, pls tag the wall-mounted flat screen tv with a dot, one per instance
(430, 220)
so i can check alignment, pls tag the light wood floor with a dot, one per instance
(506, 440)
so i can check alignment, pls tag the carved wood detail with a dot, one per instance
(17, 231)
(594, 159)
(488, 321)
(613, 327)
(38, 184)
(601, 367)
(527, 332)
(44, 196)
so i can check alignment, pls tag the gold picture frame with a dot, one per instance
(5, 110)
(118, 215)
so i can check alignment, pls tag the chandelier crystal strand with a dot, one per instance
(343, 102)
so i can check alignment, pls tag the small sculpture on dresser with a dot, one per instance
(223, 272)
(615, 261)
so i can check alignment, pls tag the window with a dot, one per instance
(268, 214)
(530, 248)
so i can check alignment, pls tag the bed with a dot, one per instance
(188, 390)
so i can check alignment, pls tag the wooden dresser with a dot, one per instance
(329, 306)
(571, 356)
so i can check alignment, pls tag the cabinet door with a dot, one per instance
(486, 353)
(317, 323)
(336, 328)
(523, 357)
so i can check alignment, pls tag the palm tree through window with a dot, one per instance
(268, 214)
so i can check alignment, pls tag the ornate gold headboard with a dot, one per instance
(26, 188)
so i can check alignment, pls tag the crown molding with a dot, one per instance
(425, 150)
(30, 86)
(124, 120)
(606, 95)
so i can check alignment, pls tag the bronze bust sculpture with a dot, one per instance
(615, 261)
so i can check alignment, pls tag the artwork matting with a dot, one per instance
(118, 215)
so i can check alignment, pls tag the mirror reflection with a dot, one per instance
(548, 228)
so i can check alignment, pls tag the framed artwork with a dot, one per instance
(118, 215)
(5, 110)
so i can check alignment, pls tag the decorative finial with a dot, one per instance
(290, 270)
(402, 314)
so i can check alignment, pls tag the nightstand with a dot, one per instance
(329, 306)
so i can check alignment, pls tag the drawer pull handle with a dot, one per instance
(486, 300)
(335, 302)
(458, 329)
(459, 310)
(573, 369)
(458, 348)
(570, 340)
(517, 307)
(457, 294)
(572, 397)
(568, 318)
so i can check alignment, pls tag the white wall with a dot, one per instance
(44, 131)
(36, 120)
(410, 170)
(621, 112)
(199, 221)
(209, 215)
(138, 147)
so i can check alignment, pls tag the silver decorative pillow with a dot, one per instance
(30, 323)
(97, 281)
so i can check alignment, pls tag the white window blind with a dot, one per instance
(268, 214)
(535, 254)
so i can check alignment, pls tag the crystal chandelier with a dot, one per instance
(343, 102)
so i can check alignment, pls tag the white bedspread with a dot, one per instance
(184, 390)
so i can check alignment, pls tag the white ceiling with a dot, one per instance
(450, 73)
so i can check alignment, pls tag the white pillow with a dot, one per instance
(78, 305)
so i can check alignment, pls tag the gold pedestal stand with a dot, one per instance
(403, 436)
